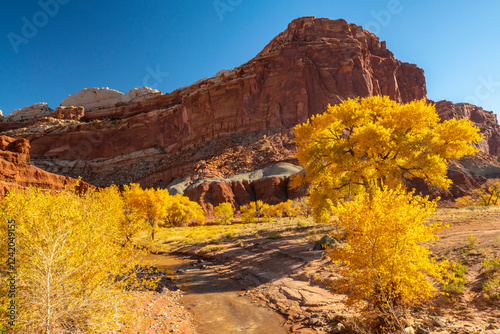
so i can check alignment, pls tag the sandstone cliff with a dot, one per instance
(17, 173)
(34, 111)
(312, 63)
(485, 120)
(236, 122)
(98, 98)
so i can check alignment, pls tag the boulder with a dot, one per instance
(324, 242)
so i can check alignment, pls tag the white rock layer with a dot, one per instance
(96, 98)
(34, 111)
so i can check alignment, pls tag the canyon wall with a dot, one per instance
(236, 122)
(16, 172)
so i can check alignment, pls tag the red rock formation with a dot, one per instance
(17, 173)
(314, 62)
(485, 120)
(239, 120)
(271, 190)
(74, 113)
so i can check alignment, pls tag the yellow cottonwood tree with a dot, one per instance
(486, 195)
(384, 260)
(373, 142)
(224, 213)
(289, 208)
(68, 253)
(181, 211)
(150, 204)
(356, 157)
(254, 211)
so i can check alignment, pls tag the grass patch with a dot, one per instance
(491, 266)
(457, 282)
(491, 287)
(274, 235)
(211, 248)
(173, 238)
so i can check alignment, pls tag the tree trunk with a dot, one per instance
(152, 222)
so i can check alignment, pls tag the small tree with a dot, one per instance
(289, 209)
(305, 207)
(148, 204)
(224, 213)
(275, 211)
(181, 211)
(249, 213)
(255, 211)
(130, 222)
(385, 262)
(488, 194)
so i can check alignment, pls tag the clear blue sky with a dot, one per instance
(119, 44)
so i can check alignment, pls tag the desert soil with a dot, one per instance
(284, 273)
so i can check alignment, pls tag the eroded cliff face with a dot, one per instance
(239, 120)
(314, 62)
(17, 173)
(485, 120)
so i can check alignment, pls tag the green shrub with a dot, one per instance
(458, 281)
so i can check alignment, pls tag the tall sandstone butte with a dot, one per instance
(312, 63)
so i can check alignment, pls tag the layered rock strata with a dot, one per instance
(32, 112)
(314, 62)
(17, 173)
(239, 120)
(98, 98)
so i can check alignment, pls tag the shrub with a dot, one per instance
(68, 251)
(224, 213)
(486, 195)
(457, 281)
(255, 212)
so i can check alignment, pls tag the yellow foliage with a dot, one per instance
(384, 260)
(289, 208)
(129, 222)
(373, 142)
(275, 211)
(157, 206)
(224, 212)
(488, 194)
(249, 212)
(147, 204)
(256, 211)
(181, 211)
(68, 251)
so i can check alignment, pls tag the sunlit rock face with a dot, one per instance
(98, 98)
(32, 112)
(238, 121)
(16, 172)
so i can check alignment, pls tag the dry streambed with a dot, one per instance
(284, 274)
